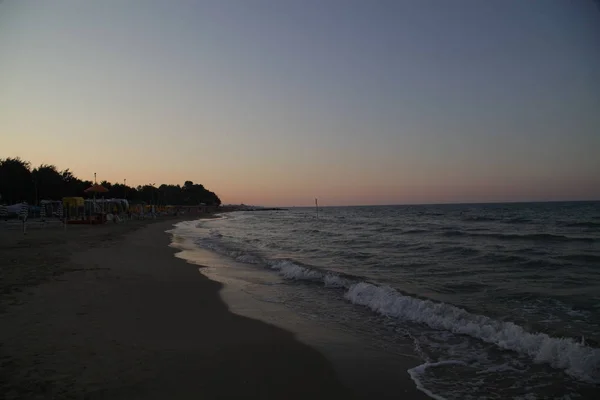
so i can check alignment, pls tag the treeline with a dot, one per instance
(19, 183)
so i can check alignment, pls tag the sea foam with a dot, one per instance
(578, 360)
(289, 270)
(574, 357)
(418, 371)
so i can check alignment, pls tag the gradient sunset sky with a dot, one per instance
(278, 102)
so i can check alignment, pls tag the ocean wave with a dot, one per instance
(581, 224)
(291, 270)
(461, 250)
(430, 214)
(448, 228)
(541, 265)
(453, 232)
(466, 287)
(580, 257)
(336, 281)
(547, 237)
(415, 231)
(496, 257)
(517, 220)
(420, 247)
(478, 228)
(215, 233)
(577, 360)
(479, 218)
(239, 255)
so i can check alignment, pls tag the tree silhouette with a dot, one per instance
(48, 183)
(19, 183)
(16, 184)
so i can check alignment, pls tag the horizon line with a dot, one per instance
(429, 204)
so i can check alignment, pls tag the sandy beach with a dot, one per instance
(109, 312)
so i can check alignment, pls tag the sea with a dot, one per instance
(492, 301)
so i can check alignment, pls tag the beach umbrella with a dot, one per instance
(96, 188)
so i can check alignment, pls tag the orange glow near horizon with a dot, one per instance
(258, 186)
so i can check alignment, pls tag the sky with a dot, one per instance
(279, 102)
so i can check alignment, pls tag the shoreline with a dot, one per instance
(110, 312)
(368, 366)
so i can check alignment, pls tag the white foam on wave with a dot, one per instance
(335, 281)
(237, 255)
(214, 233)
(577, 360)
(416, 373)
(289, 270)
(499, 368)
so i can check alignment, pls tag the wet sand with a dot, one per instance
(109, 312)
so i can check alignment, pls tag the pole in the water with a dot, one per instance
(317, 208)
